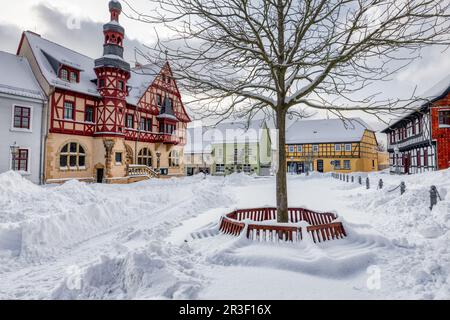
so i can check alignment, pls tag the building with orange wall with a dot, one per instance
(106, 121)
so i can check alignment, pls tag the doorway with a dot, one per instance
(320, 165)
(100, 174)
(407, 162)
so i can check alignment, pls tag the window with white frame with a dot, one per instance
(299, 149)
(220, 168)
(174, 158)
(348, 147)
(68, 110)
(444, 118)
(337, 147)
(22, 118)
(316, 148)
(20, 160)
(291, 149)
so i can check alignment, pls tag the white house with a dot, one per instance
(21, 118)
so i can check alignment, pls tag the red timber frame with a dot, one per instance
(112, 107)
(77, 126)
(441, 134)
(147, 108)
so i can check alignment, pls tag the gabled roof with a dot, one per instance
(17, 78)
(50, 55)
(326, 131)
(435, 93)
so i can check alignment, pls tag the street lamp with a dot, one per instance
(14, 153)
(158, 160)
(396, 151)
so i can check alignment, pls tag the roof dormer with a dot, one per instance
(69, 74)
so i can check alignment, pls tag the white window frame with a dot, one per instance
(349, 145)
(291, 149)
(337, 147)
(299, 148)
(23, 173)
(443, 125)
(315, 148)
(31, 118)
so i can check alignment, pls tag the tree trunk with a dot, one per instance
(282, 198)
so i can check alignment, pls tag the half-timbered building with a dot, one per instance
(331, 145)
(420, 140)
(107, 121)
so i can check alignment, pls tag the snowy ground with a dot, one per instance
(158, 240)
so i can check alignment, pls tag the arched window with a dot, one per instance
(145, 157)
(72, 156)
(174, 158)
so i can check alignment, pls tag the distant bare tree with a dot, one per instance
(240, 57)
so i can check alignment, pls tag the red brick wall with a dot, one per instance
(441, 135)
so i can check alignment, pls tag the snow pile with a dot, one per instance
(37, 223)
(421, 267)
(156, 272)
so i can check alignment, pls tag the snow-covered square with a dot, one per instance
(159, 239)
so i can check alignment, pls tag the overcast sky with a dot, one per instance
(77, 25)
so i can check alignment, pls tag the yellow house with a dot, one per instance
(331, 145)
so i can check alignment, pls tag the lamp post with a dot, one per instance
(396, 151)
(158, 160)
(14, 154)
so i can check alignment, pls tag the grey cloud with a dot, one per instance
(10, 37)
(63, 29)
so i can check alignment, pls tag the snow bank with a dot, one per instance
(157, 272)
(37, 223)
(420, 262)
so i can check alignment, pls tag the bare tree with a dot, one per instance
(287, 56)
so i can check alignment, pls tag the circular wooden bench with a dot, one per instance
(262, 225)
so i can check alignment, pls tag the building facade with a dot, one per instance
(241, 147)
(197, 152)
(331, 145)
(107, 122)
(21, 108)
(420, 141)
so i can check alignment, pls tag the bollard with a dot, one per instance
(367, 183)
(353, 179)
(402, 188)
(347, 178)
(380, 184)
(359, 180)
(433, 197)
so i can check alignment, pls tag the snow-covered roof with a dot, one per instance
(326, 131)
(438, 91)
(48, 53)
(16, 77)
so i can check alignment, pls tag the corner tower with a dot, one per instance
(112, 73)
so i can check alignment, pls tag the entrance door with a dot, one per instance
(100, 173)
(320, 165)
(300, 168)
(407, 162)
